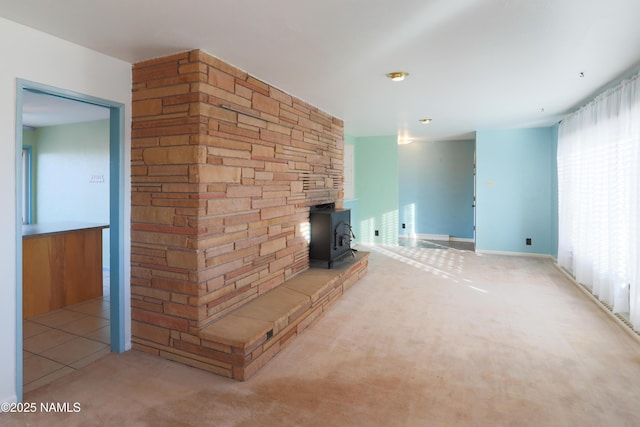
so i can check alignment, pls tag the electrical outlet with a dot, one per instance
(404, 225)
(528, 241)
(377, 233)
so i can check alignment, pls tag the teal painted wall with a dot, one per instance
(514, 190)
(66, 158)
(436, 188)
(376, 188)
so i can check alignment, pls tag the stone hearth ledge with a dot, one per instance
(257, 331)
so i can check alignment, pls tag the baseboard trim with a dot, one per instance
(461, 239)
(527, 254)
(425, 236)
(437, 237)
(629, 329)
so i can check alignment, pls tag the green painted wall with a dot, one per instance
(376, 189)
(69, 162)
(29, 139)
(352, 204)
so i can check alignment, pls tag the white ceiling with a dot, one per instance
(473, 64)
(44, 110)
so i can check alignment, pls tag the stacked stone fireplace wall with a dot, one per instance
(224, 169)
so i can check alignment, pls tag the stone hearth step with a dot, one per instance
(256, 332)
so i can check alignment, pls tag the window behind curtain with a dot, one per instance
(598, 183)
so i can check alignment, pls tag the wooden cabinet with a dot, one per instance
(61, 266)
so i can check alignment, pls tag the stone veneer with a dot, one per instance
(224, 169)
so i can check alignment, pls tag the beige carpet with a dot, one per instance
(430, 337)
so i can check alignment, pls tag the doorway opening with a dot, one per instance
(104, 316)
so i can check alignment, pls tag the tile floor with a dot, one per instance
(59, 342)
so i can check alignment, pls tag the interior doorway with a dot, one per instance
(437, 191)
(91, 314)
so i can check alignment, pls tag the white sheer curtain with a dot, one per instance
(598, 184)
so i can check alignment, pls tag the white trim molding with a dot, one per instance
(437, 237)
(527, 254)
(626, 326)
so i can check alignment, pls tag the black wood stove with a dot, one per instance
(331, 233)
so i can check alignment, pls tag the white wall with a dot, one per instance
(38, 57)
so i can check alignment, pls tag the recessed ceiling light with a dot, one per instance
(425, 121)
(397, 76)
